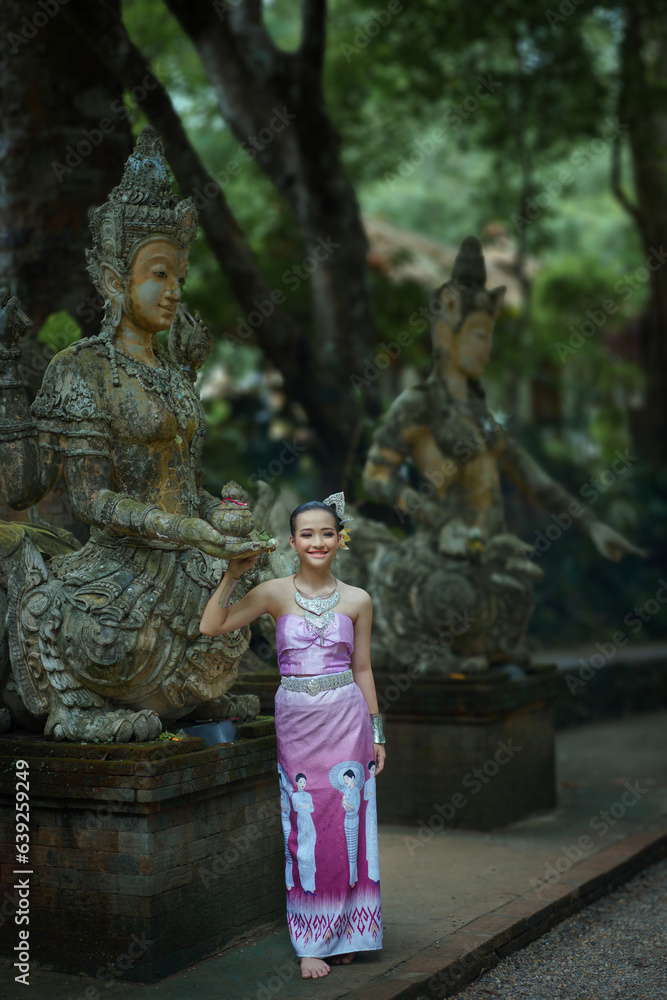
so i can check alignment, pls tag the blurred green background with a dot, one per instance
(525, 169)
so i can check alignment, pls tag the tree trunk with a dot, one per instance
(643, 107)
(273, 101)
(55, 162)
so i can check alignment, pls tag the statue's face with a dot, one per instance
(470, 349)
(153, 289)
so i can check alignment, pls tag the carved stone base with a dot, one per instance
(472, 754)
(145, 857)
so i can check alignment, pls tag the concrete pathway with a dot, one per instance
(451, 899)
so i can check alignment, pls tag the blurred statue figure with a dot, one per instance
(457, 595)
(104, 640)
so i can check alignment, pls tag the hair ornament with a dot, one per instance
(337, 501)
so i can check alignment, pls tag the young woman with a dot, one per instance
(330, 740)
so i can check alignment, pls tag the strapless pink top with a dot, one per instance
(301, 652)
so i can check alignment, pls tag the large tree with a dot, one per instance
(274, 102)
(550, 91)
(643, 108)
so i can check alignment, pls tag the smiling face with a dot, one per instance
(153, 289)
(316, 539)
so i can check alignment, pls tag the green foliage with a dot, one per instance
(59, 331)
(416, 82)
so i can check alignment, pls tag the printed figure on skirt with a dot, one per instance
(329, 734)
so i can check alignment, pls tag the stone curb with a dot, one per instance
(445, 969)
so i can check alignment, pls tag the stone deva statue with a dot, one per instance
(104, 640)
(457, 595)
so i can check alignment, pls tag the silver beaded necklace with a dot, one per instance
(318, 613)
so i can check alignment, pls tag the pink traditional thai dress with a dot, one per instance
(325, 746)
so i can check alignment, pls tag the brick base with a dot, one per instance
(145, 857)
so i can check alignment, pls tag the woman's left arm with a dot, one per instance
(361, 667)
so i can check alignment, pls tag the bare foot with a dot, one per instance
(347, 959)
(313, 968)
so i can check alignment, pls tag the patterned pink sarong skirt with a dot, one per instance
(329, 816)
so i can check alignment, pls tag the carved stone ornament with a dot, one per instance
(103, 642)
(456, 595)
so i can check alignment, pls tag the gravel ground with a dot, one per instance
(615, 948)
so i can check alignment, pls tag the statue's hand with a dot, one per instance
(611, 544)
(200, 534)
(13, 321)
(189, 340)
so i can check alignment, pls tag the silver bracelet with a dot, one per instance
(233, 587)
(376, 726)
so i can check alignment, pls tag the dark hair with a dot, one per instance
(349, 774)
(371, 764)
(313, 505)
(301, 775)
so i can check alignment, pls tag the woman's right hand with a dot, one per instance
(238, 566)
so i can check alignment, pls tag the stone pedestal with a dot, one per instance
(145, 857)
(463, 753)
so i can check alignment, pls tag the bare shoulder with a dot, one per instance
(355, 597)
(277, 593)
(273, 589)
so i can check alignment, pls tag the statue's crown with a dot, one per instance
(466, 290)
(142, 207)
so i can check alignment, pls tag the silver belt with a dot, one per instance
(313, 685)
